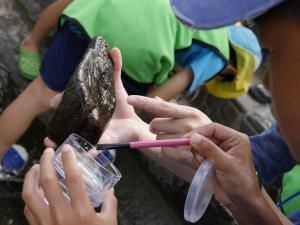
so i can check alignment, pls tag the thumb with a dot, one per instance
(49, 143)
(110, 204)
(105, 138)
(116, 57)
(203, 146)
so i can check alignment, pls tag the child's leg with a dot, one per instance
(46, 22)
(18, 116)
(59, 63)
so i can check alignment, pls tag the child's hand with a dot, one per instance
(78, 211)
(173, 121)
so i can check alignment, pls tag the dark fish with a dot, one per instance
(89, 99)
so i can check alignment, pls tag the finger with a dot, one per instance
(30, 217)
(158, 107)
(198, 158)
(110, 205)
(116, 57)
(74, 180)
(158, 125)
(206, 148)
(50, 182)
(162, 136)
(172, 126)
(55, 100)
(48, 143)
(31, 194)
(41, 192)
(217, 132)
(182, 155)
(196, 164)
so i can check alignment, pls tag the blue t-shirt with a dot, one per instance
(295, 217)
(272, 158)
(204, 62)
(271, 155)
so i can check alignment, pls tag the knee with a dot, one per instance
(39, 94)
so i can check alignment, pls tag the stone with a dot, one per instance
(89, 100)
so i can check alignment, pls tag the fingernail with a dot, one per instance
(199, 158)
(66, 148)
(34, 166)
(196, 139)
(48, 151)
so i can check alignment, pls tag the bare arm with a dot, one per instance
(174, 85)
(283, 218)
(47, 21)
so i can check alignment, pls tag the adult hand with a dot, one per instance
(236, 184)
(173, 121)
(59, 211)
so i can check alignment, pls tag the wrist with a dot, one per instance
(247, 203)
(254, 210)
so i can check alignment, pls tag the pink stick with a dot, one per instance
(160, 143)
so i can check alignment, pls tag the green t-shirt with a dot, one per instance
(290, 186)
(146, 31)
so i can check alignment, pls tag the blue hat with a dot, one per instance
(207, 14)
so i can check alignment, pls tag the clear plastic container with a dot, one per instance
(200, 192)
(98, 173)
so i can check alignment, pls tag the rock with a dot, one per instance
(89, 99)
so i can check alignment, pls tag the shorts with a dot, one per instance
(63, 56)
(134, 88)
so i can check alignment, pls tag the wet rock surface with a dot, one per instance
(89, 99)
(142, 201)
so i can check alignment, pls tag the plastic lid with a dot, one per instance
(200, 192)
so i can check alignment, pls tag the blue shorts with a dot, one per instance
(63, 56)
